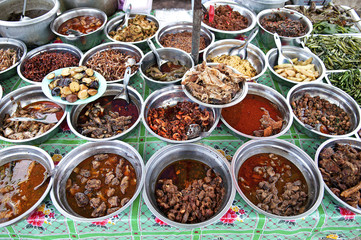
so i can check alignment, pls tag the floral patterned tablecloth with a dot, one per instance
(330, 221)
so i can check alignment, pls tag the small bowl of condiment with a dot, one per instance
(45, 59)
(111, 60)
(162, 109)
(23, 168)
(29, 103)
(253, 67)
(82, 194)
(277, 179)
(179, 35)
(228, 19)
(290, 25)
(170, 73)
(262, 114)
(81, 27)
(140, 28)
(12, 53)
(188, 170)
(324, 111)
(116, 117)
(307, 67)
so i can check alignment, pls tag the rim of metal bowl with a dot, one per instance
(90, 145)
(51, 47)
(194, 225)
(335, 90)
(238, 6)
(18, 44)
(286, 128)
(1, 92)
(297, 49)
(221, 42)
(287, 11)
(107, 46)
(216, 115)
(50, 184)
(80, 10)
(120, 86)
(332, 142)
(118, 20)
(236, 99)
(254, 206)
(9, 96)
(165, 83)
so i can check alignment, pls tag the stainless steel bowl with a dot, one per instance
(170, 96)
(268, 38)
(125, 48)
(52, 47)
(274, 97)
(107, 6)
(118, 21)
(333, 95)
(85, 41)
(292, 153)
(25, 96)
(79, 154)
(255, 55)
(199, 152)
(177, 27)
(331, 143)
(112, 89)
(169, 54)
(33, 153)
(294, 52)
(236, 99)
(34, 32)
(222, 34)
(259, 5)
(21, 50)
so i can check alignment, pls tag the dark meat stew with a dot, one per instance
(283, 25)
(100, 185)
(225, 18)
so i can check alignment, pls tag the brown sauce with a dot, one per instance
(33, 13)
(83, 24)
(17, 182)
(37, 107)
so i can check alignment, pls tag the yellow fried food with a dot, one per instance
(299, 71)
(241, 65)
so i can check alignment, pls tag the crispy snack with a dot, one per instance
(299, 71)
(241, 65)
(8, 58)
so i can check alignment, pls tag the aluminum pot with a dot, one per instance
(112, 89)
(79, 154)
(21, 50)
(25, 96)
(85, 41)
(107, 6)
(292, 153)
(259, 5)
(33, 32)
(169, 54)
(33, 153)
(199, 152)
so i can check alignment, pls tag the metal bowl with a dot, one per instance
(85, 41)
(125, 48)
(80, 153)
(118, 21)
(292, 153)
(33, 153)
(25, 96)
(52, 47)
(294, 52)
(177, 27)
(274, 97)
(236, 99)
(21, 50)
(331, 143)
(223, 34)
(333, 95)
(170, 54)
(255, 55)
(112, 89)
(259, 5)
(1, 92)
(170, 96)
(107, 6)
(268, 38)
(199, 152)
(34, 32)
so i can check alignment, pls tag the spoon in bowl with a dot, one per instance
(242, 49)
(126, 18)
(282, 59)
(124, 94)
(162, 64)
(195, 130)
(23, 17)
